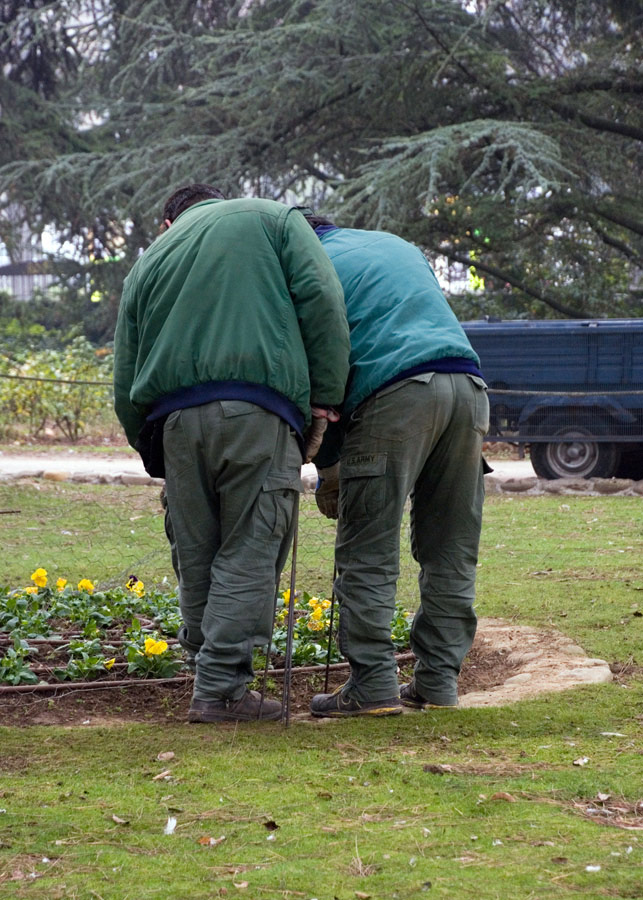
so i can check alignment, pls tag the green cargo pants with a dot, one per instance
(423, 438)
(232, 472)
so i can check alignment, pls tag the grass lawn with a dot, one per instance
(542, 799)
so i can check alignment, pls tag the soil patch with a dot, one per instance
(143, 702)
(506, 663)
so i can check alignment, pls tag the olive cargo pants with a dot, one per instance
(421, 437)
(232, 473)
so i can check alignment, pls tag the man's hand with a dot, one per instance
(315, 434)
(327, 491)
(314, 437)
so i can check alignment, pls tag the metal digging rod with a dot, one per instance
(330, 630)
(269, 650)
(285, 711)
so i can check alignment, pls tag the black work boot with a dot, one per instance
(247, 708)
(410, 697)
(338, 704)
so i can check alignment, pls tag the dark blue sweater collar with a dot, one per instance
(324, 229)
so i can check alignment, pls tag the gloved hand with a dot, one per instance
(315, 434)
(314, 437)
(327, 491)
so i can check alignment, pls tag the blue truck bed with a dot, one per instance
(571, 389)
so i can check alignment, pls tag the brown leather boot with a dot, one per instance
(246, 709)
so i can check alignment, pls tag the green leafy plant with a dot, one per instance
(151, 657)
(401, 627)
(312, 627)
(13, 666)
(82, 668)
(83, 607)
(23, 613)
(147, 617)
(86, 660)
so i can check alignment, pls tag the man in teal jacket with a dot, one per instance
(231, 339)
(413, 419)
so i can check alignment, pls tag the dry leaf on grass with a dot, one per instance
(120, 821)
(207, 841)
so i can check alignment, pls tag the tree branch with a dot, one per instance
(618, 218)
(323, 176)
(611, 241)
(511, 279)
(595, 83)
(599, 123)
(442, 44)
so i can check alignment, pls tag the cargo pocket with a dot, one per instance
(176, 448)
(362, 486)
(274, 507)
(480, 404)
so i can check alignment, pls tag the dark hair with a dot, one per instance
(187, 196)
(313, 220)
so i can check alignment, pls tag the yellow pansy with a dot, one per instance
(39, 577)
(32, 589)
(154, 648)
(60, 584)
(85, 585)
(135, 585)
(109, 662)
(325, 604)
(286, 596)
(315, 626)
(317, 613)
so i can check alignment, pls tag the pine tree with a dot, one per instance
(504, 136)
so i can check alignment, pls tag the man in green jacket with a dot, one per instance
(413, 420)
(231, 340)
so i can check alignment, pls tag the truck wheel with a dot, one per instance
(574, 456)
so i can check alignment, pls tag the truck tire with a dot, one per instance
(574, 456)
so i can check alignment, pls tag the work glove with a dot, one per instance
(315, 433)
(327, 491)
(314, 437)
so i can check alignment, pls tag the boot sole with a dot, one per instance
(342, 713)
(195, 718)
(413, 705)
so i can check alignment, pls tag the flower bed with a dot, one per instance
(51, 634)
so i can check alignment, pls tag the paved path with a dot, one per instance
(75, 462)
